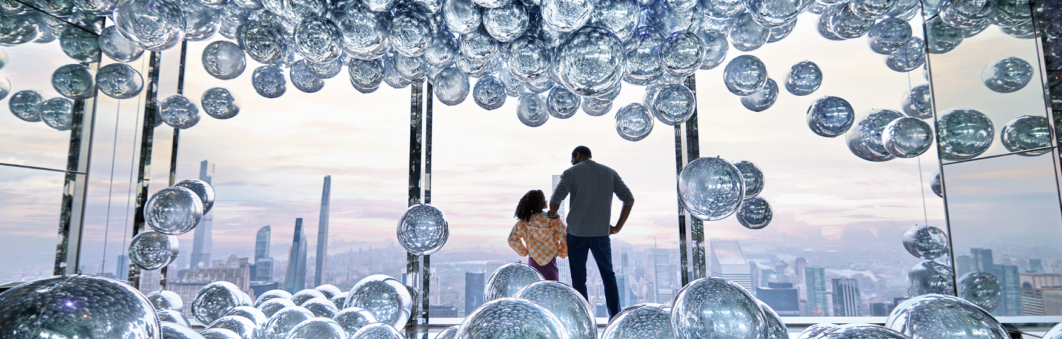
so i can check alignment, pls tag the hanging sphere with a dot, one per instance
(353, 319)
(566, 303)
(321, 307)
(303, 79)
(1026, 133)
(489, 93)
(26, 105)
(507, 22)
(269, 81)
(846, 24)
(681, 53)
(325, 70)
(386, 298)
(711, 188)
(165, 300)
(119, 81)
(618, 16)
(473, 68)
(803, 78)
(409, 67)
(830, 116)
(263, 41)
(77, 306)
(528, 58)
(643, 65)
(283, 321)
(865, 138)
(745, 75)
(173, 210)
(715, 47)
(243, 327)
(318, 39)
(753, 178)
(423, 229)
(754, 213)
(918, 102)
(154, 25)
(907, 137)
(273, 306)
(781, 32)
(872, 9)
(936, 186)
(713, 308)
(151, 250)
(658, 14)
(930, 277)
(377, 331)
(562, 103)
(965, 13)
(58, 113)
(817, 331)
(73, 81)
(964, 134)
(5, 87)
(200, 21)
(944, 316)
(202, 190)
(941, 37)
(224, 60)
(642, 321)
(411, 33)
(509, 279)
(253, 314)
(672, 104)
(179, 112)
(590, 62)
(1007, 75)
(633, 122)
(441, 51)
(746, 35)
(925, 242)
(18, 29)
(79, 44)
(366, 75)
(981, 289)
(774, 14)
(478, 45)
(95, 7)
(909, 57)
(889, 35)
(855, 331)
(215, 300)
(824, 23)
(492, 3)
(461, 16)
(762, 99)
(596, 108)
(365, 33)
(532, 110)
(318, 328)
(219, 103)
(566, 15)
(300, 298)
(451, 86)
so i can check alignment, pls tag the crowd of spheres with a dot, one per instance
(518, 303)
(555, 56)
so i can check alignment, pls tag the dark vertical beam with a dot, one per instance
(143, 176)
(173, 150)
(426, 268)
(415, 268)
(78, 157)
(693, 151)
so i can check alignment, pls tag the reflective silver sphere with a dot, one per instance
(423, 230)
(77, 307)
(386, 298)
(151, 250)
(925, 242)
(509, 279)
(943, 316)
(711, 188)
(566, 303)
(173, 210)
(717, 308)
(495, 318)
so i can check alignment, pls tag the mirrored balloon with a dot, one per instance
(865, 139)
(634, 122)
(562, 103)
(590, 62)
(451, 86)
(79, 44)
(26, 105)
(119, 81)
(907, 58)
(1026, 133)
(753, 178)
(713, 307)
(73, 81)
(154, 25)
(803, 78)
(981, 289)
(930, 277)
(566, 303)
(215, 300)
(830, 116)
(711, 188)
(269, 81)
(532, 110)
(367, 75)
(423, 229)
(907, 137)
(937, 316)
(179, 112)
(79, 300)
(889, 35)
(489, 93)
(1007, 75)
(353, 319)
(219, 103)
(745, 75)
(762, 99)
(58, 113)
(152, 250)
(918, 102)
(755, 213)
(925, 242)
(964, 134)
(672, 104)
(386, 298)
(487, 321)
(746, 35)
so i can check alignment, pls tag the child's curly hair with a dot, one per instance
(531, 203)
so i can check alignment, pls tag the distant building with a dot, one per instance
(202, 243)
(263, 287)
(263, 270)
(474, 285)
(728, 262)
(442, 311)
(661, 260)
(322, 233)
(1041, 294)
(880, 309)
(1009, 281)
(624, 291)
(963, 265)
(122, 272)
(815, 280)
(295, 279)
(494, 265)
(191, 283)
(846, 299)
(781, 297)
(1035, 266)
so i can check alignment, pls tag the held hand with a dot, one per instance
(613, 230)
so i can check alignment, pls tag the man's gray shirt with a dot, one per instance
(591, 185)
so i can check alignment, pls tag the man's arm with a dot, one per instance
(622, 219)
(559, 193)
(553, 207)
(624, 194)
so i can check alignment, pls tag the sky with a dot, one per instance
(270, 160)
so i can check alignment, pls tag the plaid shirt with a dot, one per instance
(543, 238)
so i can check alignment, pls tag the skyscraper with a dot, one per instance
(846, 298)
(781, 297)
(122, 272)
(662, 276)
(624, 290)
(474, 284)
(263, 263)
(295, 279)
(563, 210)
(728, 262)
(815, 280)
(203, 244)
(322, 233)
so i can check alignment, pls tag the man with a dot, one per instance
(591, 186)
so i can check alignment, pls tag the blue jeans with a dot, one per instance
(601, 247)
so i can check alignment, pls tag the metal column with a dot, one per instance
(691, 234)
(418, 272)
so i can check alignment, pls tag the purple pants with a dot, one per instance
(549, 271)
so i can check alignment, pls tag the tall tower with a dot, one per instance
(202, 245)
(846, 297)
(322, 233)
(295, 280)
(815, 281)
(263, 263)
(728, 262)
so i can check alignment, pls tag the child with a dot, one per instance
(544, 239)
